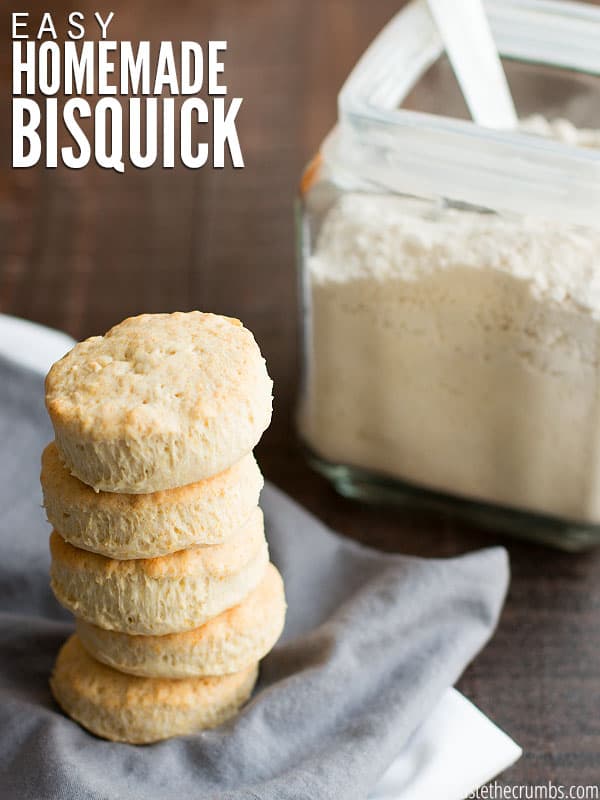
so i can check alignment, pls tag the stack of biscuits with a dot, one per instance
(158, 545)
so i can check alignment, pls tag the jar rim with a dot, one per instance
(423, 153)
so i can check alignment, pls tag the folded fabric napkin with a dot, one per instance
(372, 642)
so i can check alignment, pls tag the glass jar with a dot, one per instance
(451, 280)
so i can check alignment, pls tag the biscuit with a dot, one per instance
(160, 401)
(225, 644)
(125, 708)
(148, 525)
(161, 595)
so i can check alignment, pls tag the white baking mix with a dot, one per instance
(459, 350)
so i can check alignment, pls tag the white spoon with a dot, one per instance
(468, 40)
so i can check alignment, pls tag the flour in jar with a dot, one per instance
(459, 350)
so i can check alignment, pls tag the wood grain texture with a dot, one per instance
(82, 250)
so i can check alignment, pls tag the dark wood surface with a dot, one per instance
(81, 250)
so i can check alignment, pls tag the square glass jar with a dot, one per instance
(450, 280)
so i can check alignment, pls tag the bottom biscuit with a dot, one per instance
(125, 708)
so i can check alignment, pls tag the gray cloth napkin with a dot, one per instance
(371, 642)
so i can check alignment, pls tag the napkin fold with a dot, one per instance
(372, 641)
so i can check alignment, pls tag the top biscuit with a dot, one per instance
(160, 401)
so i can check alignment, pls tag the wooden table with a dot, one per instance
(81, 250)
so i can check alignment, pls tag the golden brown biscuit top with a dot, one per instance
(158, 374)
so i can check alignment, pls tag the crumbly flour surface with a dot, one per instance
(458, 350)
